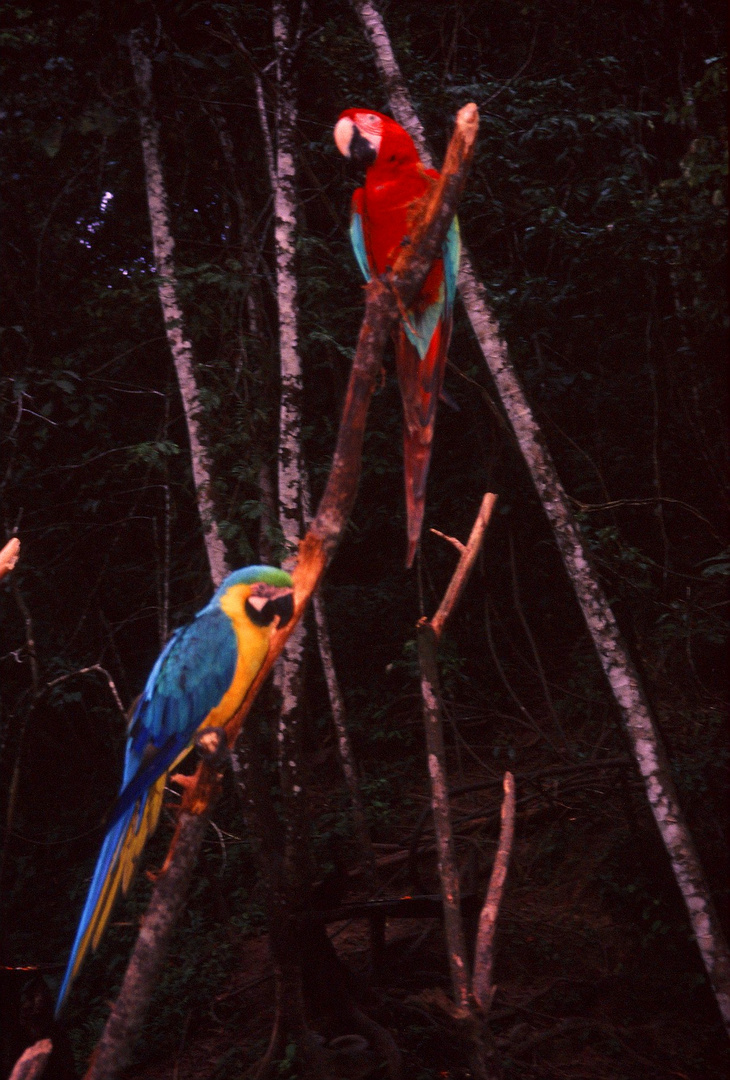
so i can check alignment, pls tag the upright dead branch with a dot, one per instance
(482, 987)
(429, 632)
(610, 646)
(460, 576)
(478, 990)
(384, 299)
(441, 809)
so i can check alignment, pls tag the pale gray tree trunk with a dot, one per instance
(607, 639)
(180, 346)
(288, 867)
(294, 499)
(283, 182)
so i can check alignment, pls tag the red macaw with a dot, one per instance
(382, 216)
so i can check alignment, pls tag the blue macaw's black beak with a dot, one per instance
(362, 152)
(268, 601)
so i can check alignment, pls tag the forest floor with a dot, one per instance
(597, 978)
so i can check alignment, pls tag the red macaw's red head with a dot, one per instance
(365, 137)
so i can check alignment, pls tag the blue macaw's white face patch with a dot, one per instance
(265, 602)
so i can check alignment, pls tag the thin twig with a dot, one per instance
(461, 574)
(450, 539)
(85, 671)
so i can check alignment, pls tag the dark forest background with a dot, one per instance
(596, 215)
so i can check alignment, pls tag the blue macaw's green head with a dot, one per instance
(270, 593)
(249, 575)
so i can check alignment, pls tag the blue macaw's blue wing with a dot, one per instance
(189, 679)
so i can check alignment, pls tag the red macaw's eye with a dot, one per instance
(265, 602)
(370, 124)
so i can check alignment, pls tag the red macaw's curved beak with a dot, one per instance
(268, 602)
(358, 137)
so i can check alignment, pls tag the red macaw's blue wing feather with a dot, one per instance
(200, 678)
(357, 235)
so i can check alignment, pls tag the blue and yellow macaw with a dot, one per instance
(199, 680)
(382, 216)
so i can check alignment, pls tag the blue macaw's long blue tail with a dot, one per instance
(114, 871)
(99, 885)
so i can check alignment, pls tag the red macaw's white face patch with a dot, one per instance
(366, 125)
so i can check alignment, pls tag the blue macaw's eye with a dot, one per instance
(266, 602)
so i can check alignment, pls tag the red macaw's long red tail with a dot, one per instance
(420, 386)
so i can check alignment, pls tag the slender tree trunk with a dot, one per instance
(180, 346)
(284, 187)
(294, 498)
(290, 874)
(344, 743)
(289, 670)
(609, 644)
